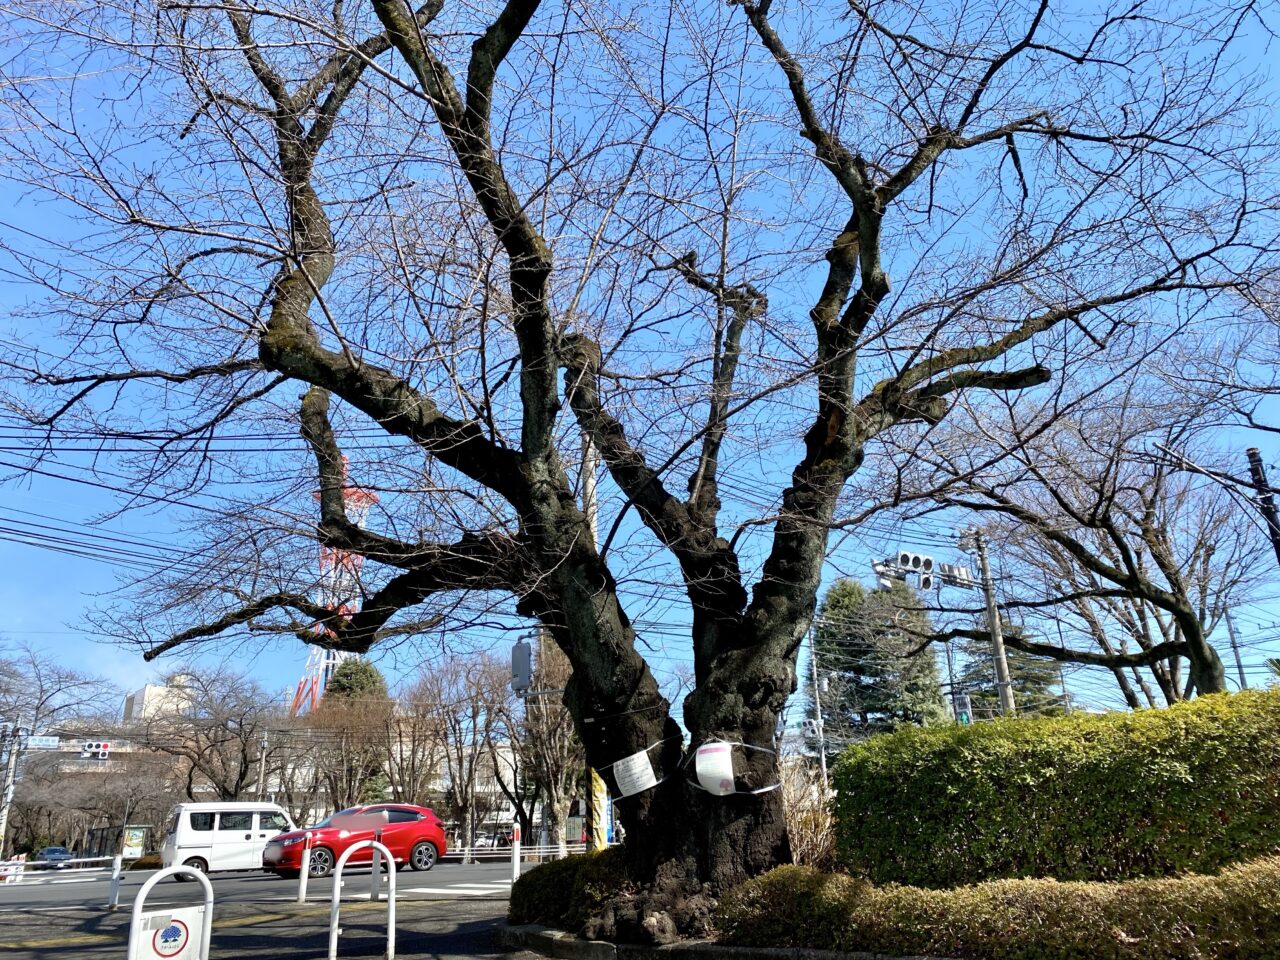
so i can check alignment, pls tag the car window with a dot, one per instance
(202, 821)
(402, 816)
(339, 813)
(235, 821)
(273, 821)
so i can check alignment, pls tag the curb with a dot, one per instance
(553, 943)
(564, 946)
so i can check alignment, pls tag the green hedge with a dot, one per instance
(564, 893)
(1234, 915)
(1086, 797)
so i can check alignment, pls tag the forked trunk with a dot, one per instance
(686, 846)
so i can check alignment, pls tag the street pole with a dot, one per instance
(10, 777)
(262, 764)
(1266, 502)
(597, 795)
(817, 708)
(1235, 648)
(951, 683)
(1003, 684)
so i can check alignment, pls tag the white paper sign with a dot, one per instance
(172, 934)
(714, 764)
(634, 774)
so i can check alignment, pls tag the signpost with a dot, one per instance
(173, 933)
(43, 743)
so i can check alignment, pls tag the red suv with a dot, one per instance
(414, 835)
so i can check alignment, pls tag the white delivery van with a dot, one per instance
(228, 835)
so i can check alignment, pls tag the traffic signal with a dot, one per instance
(915, 562)
(964, 710)
(955, 575)
(927, 581)
(521, 667)
(96, 749)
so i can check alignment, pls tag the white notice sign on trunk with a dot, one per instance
(714, 763)
(634, 774)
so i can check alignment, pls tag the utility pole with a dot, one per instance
(1235, 648)
(597, 795)
(262, 765)
(1266, 502)
(1003, 684)
(951, 683)
(817, 708)
(10, 777)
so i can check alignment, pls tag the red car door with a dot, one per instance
(355, 827)
(402, 832)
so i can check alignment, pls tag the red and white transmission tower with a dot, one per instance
(338, 589)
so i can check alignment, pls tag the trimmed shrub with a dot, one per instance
(565, 893)
(1233, 915)
(1155, 793)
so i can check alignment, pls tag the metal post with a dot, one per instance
(1004, 685)
(335, 901)
(117, 870)
(515, 853)
(375, 888)
(10, 777)
(1235, 648)
(1266, 502)
(306, 868)
(817, 707)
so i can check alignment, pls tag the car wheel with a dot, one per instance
(423, 856)
(195, 863)
(321, 864)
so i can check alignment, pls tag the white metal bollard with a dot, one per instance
(171, 937)
(306, 868)
(336, 901)
(375, 886)
(117, 869)
(515, 853)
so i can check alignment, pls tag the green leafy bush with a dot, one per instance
(564, 893)
(1086, 797)
(1235, 914)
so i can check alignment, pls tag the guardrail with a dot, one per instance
(529, 853)
(32, 872)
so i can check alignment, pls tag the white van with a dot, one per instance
(228, 835)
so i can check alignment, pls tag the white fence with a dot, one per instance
(33, 872)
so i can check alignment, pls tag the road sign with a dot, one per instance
(43, 743)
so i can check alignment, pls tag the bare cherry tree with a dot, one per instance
(216, 723)
(469, 235)
(1111, 556)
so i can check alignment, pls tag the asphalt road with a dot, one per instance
(445, 881)
(448, 913)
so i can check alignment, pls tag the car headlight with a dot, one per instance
(291, 841)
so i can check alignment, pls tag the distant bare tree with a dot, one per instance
(217, 726)
(46, 695)
(466, 700)
(1124, 561)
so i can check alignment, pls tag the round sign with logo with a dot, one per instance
(170, 941)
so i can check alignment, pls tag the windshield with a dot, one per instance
(54, 851)
(328, 821)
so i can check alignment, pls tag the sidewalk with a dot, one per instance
(440, 929)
